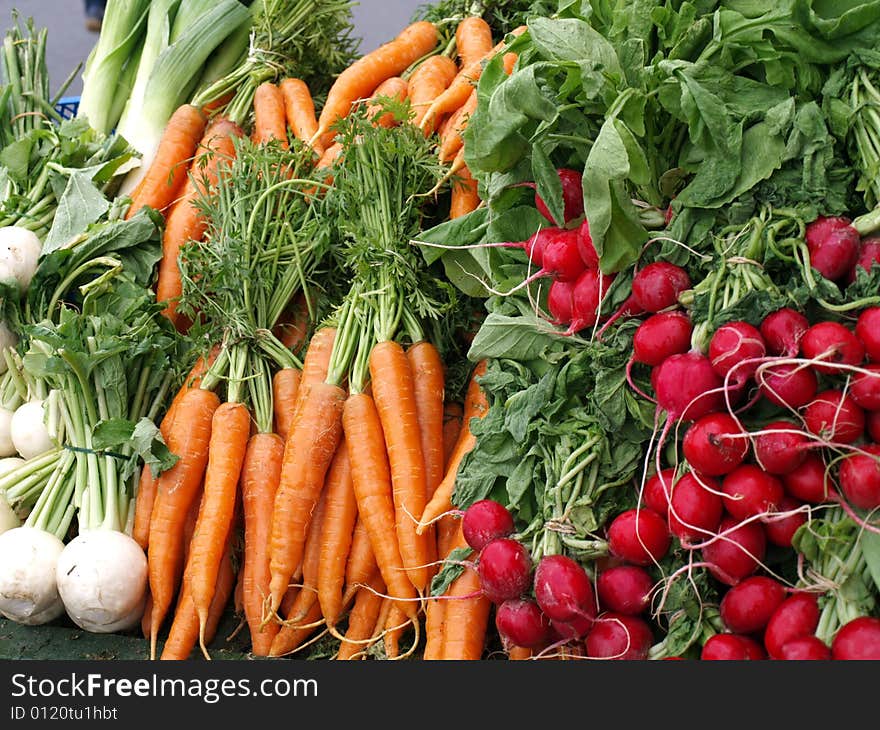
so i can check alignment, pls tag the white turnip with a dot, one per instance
(29, 431)
(19, 253)
(28, 587)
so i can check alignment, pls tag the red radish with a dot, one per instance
(639, 536)
(737, 552)
(484, 521)
(869, 254)
(505, 569)
(572, 630)
(563, 589)
(782, 331)
(787, 384)
(533, 245)
(833, 245)
(715, 444)
(834, 416)
(874, 426)
(587, 250)
(858, 639)
(687, 387)
(658, 285)
(660, 336)
(780, 530)
(561, 258)
(805, 648)
(832, 343)
(618, 636)
(747, 607)
(657, 491)
(750, 491)
(809, 482)
(520, 622)
(735, 343)
(624, 589)
(586, 296)
(859, 477)
(730, 647)
(780, 447)
(796, 616)
(694, 510)
(572, 196)
(865, 388)
(868, 332)
(559, 302)
(668, 216)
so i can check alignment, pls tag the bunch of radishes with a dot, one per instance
(837, 249)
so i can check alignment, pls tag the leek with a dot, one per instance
(122, 32)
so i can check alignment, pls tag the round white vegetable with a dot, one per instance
(102, 580)
(10, 463)
(29, 433)
(7, 448)
(28, 589)
(8, 338)
(19, 253)
(8, 518)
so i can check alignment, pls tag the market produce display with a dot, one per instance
(546, 330)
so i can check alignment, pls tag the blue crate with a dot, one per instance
(67, 106)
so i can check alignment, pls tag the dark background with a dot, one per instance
(376, 21)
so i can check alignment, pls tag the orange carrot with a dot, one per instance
(218, 103)
(466, 615)
(509, 62)
(465, 196)
(371, 478)
(291, 331)
(451, 428)
(393, 88)
(473, 40)
(166, 174)
(192, 380)
(290, 637)
(519, 653)
(230, 431)
(395, 625)
(360, 78)
(361, 566)
(285, 386)
(391, 379)
(185, 221)
(362, 620)
(308, 591)
(143, 507)
(270, 121)
(176, 489)
(315, 365)
(428, 81)
(185, 629)
(475, 406)
(299, 109)
(336, 536)
(463, 83)
(259, 483)
(308, 451)
(451, 141)
(434, 628)
(328, 157)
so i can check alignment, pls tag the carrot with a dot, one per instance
(518, 653)
(291, 637)
(238, 595)
(230, 430)
(458, 91)
(451, 141)
(218, 103)
(393, 88)
(315, 365)
(361, 77)
(451, 428)
(475, 406)
(308, 591)
(166, 174)
(509, 62)
(285, 386)
(336, 536)
(185, 221)
(308, 451)
(185, 629)
(362, 619)
(260, 474)
(428, 81)
(291, 331)
(466, 615)
(361, 566)
(395, 625)
(192, 380)
(473, 40)
(328, 157)
(394, 394)
(371, 479)
(434, 628)
(465, 196)
(299, 110)
(176, 489)
(270, 121)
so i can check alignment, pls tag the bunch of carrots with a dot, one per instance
(323, 499)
